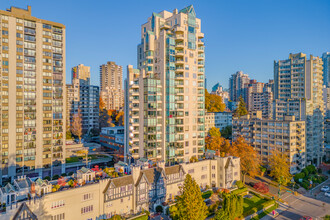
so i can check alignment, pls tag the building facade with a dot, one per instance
(111, 81)
(219, 120)
(326, 100)
(112, 138)
(298, 84)
(32, 107)
(266, 135)
(237, 83)
(326, 68)
(142, 189)
(169, 88)
(83, 98)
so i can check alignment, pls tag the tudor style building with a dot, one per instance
(142, 189)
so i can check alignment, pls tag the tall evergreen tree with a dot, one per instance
(232, 207)
(190, 204)
(241, 109)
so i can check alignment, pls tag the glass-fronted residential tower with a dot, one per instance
(169, 96)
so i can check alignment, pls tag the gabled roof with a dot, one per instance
(229, 162)
(152, 175)
(40, 182)
(25, 211)
(23, 183)
(120, 181)
(173, 169)
(84, 170)
(8, 188)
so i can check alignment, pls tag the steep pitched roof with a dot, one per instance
(25, 211)
(151, 175)
(120, 181)
(172, 169)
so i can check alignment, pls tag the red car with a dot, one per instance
(306, 218)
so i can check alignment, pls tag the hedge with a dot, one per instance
(207, 194)
(239, 191)
(266, 212)
(259, 207)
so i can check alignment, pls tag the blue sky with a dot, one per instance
(239, 34)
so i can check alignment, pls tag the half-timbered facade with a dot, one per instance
(144, 189)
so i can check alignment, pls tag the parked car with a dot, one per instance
(325, 188)
(306, 218)
(327, 194)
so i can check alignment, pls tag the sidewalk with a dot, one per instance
(279, 210)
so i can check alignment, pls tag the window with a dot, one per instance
(87, 196)
(87, 209)
(204, 168)
(58, 217)
(213, 167)
(203, 176)
(57, 204)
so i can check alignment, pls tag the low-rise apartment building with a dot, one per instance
(266, 135)
(112, 138)
(142, 189)
(217, 119)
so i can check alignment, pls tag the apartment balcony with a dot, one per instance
(179, 29)
(179, 45)
(165, 26)
(200, 49)
(200, 35)
(179, 53)
(179, 69)
(201, 56)
(201, 63)
(179, 61)
(200, 43)
(179, 37)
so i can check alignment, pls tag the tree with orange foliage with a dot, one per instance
(250, 162)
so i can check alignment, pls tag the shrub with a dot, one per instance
(239, 191)
(299, 176)
(305, 171)
(319, 170)
(55, 177)
(47, 178)
(159, 209)
(239, 184)
(63, 174)
(207, 194)
(311, 169)
(70, 173)
(116, 217)
(212, 208)
(261, 187)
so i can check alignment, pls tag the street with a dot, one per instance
(304, 205)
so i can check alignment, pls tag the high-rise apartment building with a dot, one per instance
(32, 85)
(266, 135)
(298, 91)
(326, 68)
(83, 98)
(260, 98)
(166, 97)
(219, 120)
(326, 100)
(237, 84)
(111, 81)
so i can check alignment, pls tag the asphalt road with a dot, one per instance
(314, 203)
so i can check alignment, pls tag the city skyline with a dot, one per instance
(254, 37)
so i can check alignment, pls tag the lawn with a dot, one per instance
(79, 158)
(252, 202)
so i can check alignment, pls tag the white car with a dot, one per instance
(327, 194)
(325, 188)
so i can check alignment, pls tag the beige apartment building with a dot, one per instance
(298, 84)
(32, 85)
(169, 89)
(111, 81)
(145, 188)
(219, 120)
(266, 135)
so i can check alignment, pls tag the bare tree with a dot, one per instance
(76, 127)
